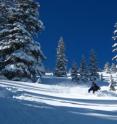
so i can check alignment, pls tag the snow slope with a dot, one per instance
(29, 103)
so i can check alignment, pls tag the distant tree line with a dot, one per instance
(86, 72)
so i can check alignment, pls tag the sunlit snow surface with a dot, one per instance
(57, 104)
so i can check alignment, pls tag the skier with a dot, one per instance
(94, 87)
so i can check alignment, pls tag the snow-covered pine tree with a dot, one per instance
(113, 68)
(20, 55)
(93, 67)
(101, 77)
(60, 70)
(83, 70)
(115, 44)
(112, 84)
(74, 73)
(107, 67)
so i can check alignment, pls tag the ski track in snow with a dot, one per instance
(61, 96)
(102, 105)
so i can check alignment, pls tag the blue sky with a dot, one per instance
(84, 24)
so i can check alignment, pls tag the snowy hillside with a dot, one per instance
(29, 103)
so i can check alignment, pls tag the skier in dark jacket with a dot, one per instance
(94, 87)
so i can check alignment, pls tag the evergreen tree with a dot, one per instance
(74, 73)
(83, 70)
(113, 68)
(61, 61)
(112, 84)
(115, 44)
(20, 55)
(93, 68)
(107, 67)
(101, 77)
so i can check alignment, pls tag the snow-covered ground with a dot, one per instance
(30, 103)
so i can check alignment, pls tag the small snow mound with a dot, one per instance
(106, 93)
(5, 93)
